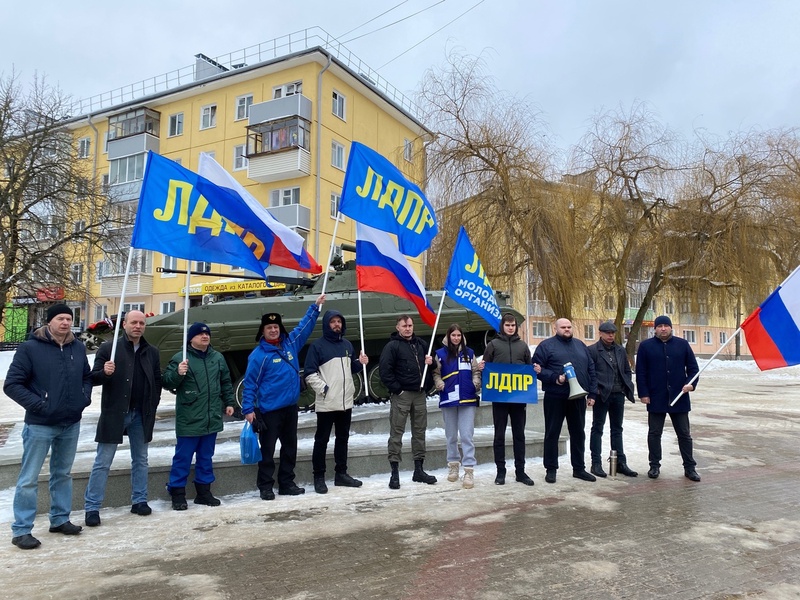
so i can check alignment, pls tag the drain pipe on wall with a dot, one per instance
(89, 256)
(319, 163)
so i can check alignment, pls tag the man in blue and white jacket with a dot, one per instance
(330, 364)
(270, 393)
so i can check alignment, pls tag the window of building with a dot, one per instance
(408, 150)
(609, 303)
(336, 199)
(588, 332)
(129, 306)
(79, 226)
(127, 169)
(540, 329)
(167, 307)
(339, 105)
(175, 125)
(141, 261)
(279, 135)
(239, 158)
(76, 273)
(81, 187)
(100, 312)
(669, 307)
(635, 300)
(287, 89)
(284, 197)
(243, 104)
(685, 303)
(337, 155)
(106, 137)
(690, 335)
(140, 120)
(98, 274)
(208, 116)
(169, 262)
(84, 147)
(707, 338)
(588, 301)
(202, 266)
(723, 337)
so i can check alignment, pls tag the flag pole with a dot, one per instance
(186, 306)
(330, 252)
(361, 327)
(433, 337)
(721, 348)
(121, 300)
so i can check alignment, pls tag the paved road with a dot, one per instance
(734, 535)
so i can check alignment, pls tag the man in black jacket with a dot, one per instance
(614, 385)
(401, 366)
(131, 393)
(508, 348)
(548, 362)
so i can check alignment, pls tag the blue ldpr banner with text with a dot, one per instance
(376, 193)
(502, 382)
(468, 284)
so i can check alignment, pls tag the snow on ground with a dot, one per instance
(726, 388)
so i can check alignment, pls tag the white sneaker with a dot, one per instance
(452, 475)
(469, 479)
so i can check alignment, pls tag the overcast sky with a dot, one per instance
(715, 65)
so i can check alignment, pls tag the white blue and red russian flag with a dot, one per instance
(380, 267)
(773, 330)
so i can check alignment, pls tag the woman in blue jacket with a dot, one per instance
(457, 376)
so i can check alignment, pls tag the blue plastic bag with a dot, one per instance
(248, 445)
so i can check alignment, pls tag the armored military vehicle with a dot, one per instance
(235, 323)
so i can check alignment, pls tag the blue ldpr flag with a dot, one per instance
(189, 216)
(175, 219)
(467, 283)
(377, 194)
(502, 382)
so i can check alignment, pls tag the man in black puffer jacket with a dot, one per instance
(509, 349)
(401, 366)
(548, 362)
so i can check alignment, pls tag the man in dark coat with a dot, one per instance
(50, 378)
(401, 366)
(131, 392)
(664, 366)
(548, 362)
(614, 385)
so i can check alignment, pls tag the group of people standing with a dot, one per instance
(51, 378)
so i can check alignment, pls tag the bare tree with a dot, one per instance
(51, 210)
(489, 165)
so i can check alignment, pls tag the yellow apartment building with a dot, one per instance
(279, 116)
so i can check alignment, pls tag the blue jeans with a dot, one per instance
(96, 488)
(37, 441)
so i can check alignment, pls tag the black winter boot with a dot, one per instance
(394, 478)
(421, 476)
(501, 475)
(204, 495)
(319, 484)
(178, 498)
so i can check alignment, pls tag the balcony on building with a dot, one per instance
(279, 139)
(130, 136)
(295, 216)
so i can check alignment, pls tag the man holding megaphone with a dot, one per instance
(569, 383)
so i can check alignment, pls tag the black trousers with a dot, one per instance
(555, 411)
(501, 412)
(680, 423)
(326, 421)
(277, 425)
(614, 407)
